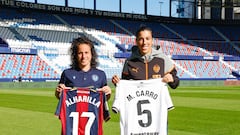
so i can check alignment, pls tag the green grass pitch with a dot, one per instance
(198, 111)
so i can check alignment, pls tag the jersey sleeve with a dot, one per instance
(168, 100)
(106, 113)
(59, 105)
(116, 101)
(62, 78)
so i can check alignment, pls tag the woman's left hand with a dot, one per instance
(107, 90)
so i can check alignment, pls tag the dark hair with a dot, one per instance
(74, 52)
(142, 28)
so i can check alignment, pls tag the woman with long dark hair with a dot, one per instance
(83, 71)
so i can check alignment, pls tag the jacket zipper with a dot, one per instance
(146, 69)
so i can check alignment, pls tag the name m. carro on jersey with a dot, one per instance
(141, 93)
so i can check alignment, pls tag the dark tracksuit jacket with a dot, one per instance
(156, 65)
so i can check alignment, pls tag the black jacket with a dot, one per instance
(156, 65)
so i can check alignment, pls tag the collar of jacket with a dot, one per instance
(137, 55)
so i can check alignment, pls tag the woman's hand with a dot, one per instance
(59, 90)
(115, 79)
(107, 90)
(167, 78)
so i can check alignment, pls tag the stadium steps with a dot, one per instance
(208, 68)
(121, 27)
(174, 32)
(62, 20)
(226, 39)
(17, 35)
(226, 64)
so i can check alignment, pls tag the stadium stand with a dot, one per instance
(35, 44)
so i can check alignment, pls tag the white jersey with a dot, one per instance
(143, 106)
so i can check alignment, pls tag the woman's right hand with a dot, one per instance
(115, 79)
(59, 90)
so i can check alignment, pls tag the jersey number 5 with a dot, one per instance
(75, 116)
(146, 112)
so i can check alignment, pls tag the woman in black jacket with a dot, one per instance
(146, 62)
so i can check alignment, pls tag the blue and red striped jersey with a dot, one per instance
(82, 111)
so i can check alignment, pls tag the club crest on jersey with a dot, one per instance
(156, 68)
(95, 77)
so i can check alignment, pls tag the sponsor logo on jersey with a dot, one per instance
(135, 70)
